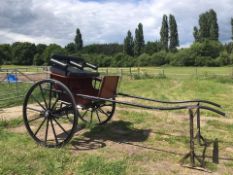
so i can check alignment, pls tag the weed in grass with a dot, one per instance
(134, 117)
(11, 123)
(20, 155)
(221, 125)
(172, 140)
(99, 166)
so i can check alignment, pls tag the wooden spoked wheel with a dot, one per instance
(49, 113)
(98, 113)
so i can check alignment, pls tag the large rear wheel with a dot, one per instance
(49, 113)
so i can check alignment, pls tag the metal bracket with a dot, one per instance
(200, 140)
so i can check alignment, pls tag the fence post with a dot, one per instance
(231, 71)
(138, 71)
(130, 72)
(163, 73)
(107, 71)
(196, 72)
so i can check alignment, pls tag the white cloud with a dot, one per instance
(104, 21)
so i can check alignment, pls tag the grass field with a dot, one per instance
(136, 141)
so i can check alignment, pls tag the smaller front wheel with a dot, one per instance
(49, 113)
(99, 113)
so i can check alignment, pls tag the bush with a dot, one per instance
(184, 57)
(122, 60)
(50, 50)
(207, 48)
(223, 59)
(159, 58)
(38, 60)
(143, 60)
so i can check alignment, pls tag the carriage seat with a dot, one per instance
(72, 72)
(68, 69)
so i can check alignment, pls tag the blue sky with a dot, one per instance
(102, 21)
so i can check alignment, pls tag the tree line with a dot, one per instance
(206, 50)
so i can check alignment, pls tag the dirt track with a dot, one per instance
(11, 113)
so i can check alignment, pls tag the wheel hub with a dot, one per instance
(47, 114)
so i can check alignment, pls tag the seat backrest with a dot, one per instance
(108, 88)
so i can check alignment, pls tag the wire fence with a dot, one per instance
(33, 69)
(15, 82)
(176, 73)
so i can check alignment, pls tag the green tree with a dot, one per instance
(38, 59)
(232, 28)
(78, 40)
(174, 39)
(23, 53)
(164, 36)
(40, 48)
(50, 50)
(196, 34)
(129, 44)
(204, 32)
(70, 48)
(6, 53)
(152, 47)
(206, 52)
(213, 25)
(208, 26)
(106, 49)
(1, 57)
(139, 42)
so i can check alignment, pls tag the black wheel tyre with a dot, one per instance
(99, 113)
(49, 113)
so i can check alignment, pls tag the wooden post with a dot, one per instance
(231, 71)
(192, 154)
(215, 152)
(107, 71)
(198, 124)
(138, 71)
(130, 72)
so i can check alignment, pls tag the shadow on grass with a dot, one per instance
(116, 131)
(124, 133)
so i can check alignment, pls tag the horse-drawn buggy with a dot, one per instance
(75, 91)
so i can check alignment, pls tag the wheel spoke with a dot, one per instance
(42, 93)
(91, 116)
(84, 113)
(54, 104)
(61, 126)
(33, 109)
(54, 132)
(103, 112)
(67, 116)
(98, 116)
(46, 131)
(38, 102)
(50, 95)
(39, 127)
(35, 119)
